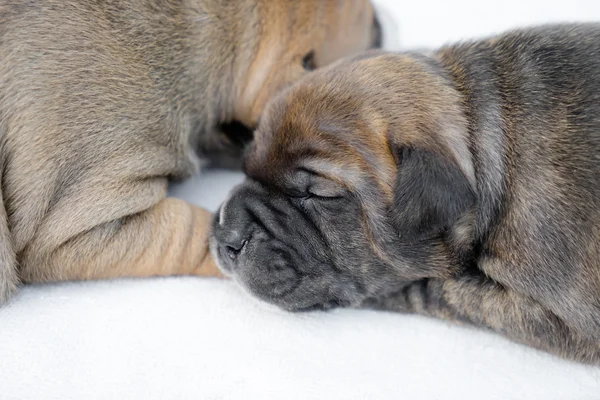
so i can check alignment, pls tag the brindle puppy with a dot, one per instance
(462, 184)
(102, 101)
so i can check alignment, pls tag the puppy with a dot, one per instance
(101, 102)
(462, 184)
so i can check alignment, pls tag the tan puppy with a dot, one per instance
(101, 102)
(462, 184)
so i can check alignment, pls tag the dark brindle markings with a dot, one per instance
(462, 184)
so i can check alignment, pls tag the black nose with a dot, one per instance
(232, 230)
(377, 34)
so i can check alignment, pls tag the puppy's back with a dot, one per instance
(531, 72)
(532, 98)
(533, 94)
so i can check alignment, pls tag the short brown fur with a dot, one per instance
(102, 102)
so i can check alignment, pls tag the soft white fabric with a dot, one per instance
(203, 339)
(187, 338)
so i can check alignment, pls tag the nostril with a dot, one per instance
(234, 251)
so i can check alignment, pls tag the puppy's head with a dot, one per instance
(295, 38)
(359, 179)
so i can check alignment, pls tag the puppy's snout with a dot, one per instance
(232, 230)
(377, 33)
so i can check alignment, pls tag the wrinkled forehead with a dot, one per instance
(329, 136)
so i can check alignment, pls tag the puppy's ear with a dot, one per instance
(431, 193)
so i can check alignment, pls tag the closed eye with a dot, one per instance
(313, 185)
(312, 195)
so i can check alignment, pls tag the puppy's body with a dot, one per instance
(102, 101)
(464, 184)
(533, 105)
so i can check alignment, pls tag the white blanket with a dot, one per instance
(188, 338)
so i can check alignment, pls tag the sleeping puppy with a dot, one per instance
(462, 184)
(101, 102)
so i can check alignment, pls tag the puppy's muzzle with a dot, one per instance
(246, 243)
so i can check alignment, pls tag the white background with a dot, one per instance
(434, 23)
(204, 339)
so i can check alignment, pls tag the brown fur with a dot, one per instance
(101, 102)
(463, 184)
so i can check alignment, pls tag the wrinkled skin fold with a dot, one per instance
(103, 102)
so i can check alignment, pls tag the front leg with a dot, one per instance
(122, 230)
(480, 301)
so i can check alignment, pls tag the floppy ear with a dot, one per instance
(431, 193)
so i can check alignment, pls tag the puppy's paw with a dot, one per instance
(422, 296)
